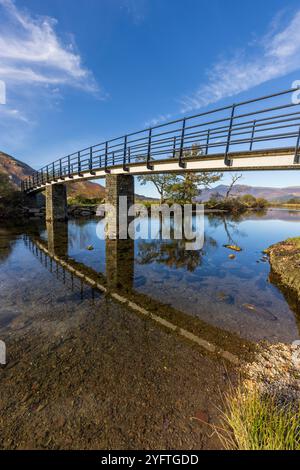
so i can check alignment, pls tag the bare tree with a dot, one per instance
(234, 179)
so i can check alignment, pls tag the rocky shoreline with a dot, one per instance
(275, 369)
(284, 259)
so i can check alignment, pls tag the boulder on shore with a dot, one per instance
(285, 267)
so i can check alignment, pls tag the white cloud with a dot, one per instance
(32, 53)
(275, 56)
(155, 121)
(13, 113)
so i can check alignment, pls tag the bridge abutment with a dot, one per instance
(56, 202)
(116, 187)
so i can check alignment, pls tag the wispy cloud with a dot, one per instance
(36, 66)
(158, 119)
(274, 56)
(31, 52)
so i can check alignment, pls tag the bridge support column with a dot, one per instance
(117, 186)
(56, 202)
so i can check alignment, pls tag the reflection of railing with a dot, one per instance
(241, 126)
(77, 276)
(74, 279)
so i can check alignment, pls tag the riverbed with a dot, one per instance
(87, 370)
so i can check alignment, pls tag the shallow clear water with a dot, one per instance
(87, 371)
(232, 295)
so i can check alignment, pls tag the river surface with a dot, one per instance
(85, 370)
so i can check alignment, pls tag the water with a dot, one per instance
(232, 295)
(86, 371)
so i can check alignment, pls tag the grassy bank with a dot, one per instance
(253, 420)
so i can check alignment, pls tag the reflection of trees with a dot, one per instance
(7, 242)
(172, 253)
(230, 224)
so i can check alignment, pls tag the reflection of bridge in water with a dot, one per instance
(118, 283)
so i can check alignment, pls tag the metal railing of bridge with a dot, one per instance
(244, 126)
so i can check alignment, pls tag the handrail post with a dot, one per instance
(207, 141)
(53, 171)
(297, 149)
(149, 166)
(69, 166)
(180, 162)
(60, 168)
(252, 135)
(174, 146)
(91, 159)
(106, 154)
(227, 161)
(125, 154)
(79, 164)
(47, 170)
(91, 162)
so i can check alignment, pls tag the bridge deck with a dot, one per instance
(275, 159)
(244, 136)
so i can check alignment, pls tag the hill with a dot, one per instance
(17, 171)
(271, 194)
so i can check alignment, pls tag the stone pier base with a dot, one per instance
(117, 186)
(56, 202)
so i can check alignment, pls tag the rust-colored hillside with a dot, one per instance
(18, 171)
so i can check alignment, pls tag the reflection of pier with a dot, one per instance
(118, 283)
(58, 238)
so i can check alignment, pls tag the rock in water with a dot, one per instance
(233, 247)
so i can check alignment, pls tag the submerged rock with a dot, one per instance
(233, 247)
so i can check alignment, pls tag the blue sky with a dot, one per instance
(79, 72)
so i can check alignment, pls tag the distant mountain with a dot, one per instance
(271, 194)
(18, 171)
(15, 169)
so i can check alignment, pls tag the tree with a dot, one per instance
(181, 187)
(248, 199)
(160, 181)
(234, 179)
(187, 186)
(6, 187)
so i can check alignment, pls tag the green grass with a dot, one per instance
(295, 241)
(255, 422)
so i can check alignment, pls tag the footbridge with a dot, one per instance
(258, 134)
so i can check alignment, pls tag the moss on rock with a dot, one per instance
(285, 268)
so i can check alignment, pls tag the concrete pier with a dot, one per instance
(56, 202)
(117, 186)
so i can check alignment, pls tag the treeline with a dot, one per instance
(10, 198)
(237, 203)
